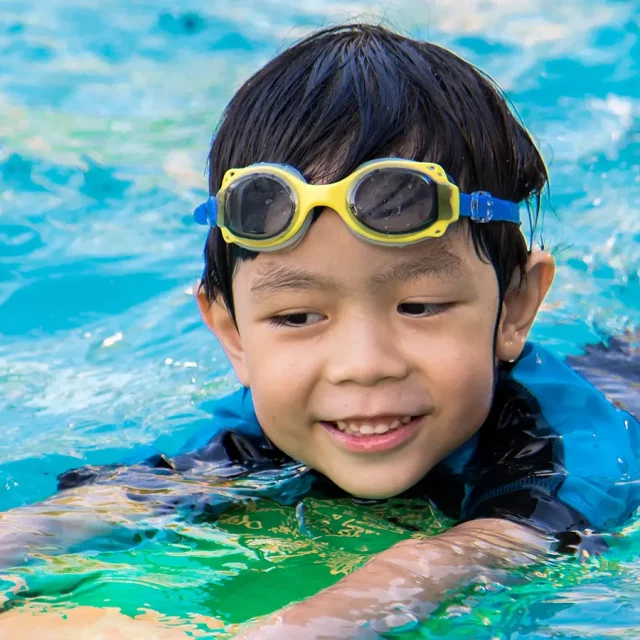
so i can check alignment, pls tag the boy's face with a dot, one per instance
(338, 337)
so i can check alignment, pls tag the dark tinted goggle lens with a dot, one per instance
(258, 207)
(395, 201)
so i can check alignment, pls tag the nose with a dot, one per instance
(365, 353)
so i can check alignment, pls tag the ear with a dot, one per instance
(217, 317)
(521, 305)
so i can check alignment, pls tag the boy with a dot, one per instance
(391, 361)
(366, 275)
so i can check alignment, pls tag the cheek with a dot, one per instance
(460, 369)
(277, 366)
(470, 385)
(465, 390)
(281, 381)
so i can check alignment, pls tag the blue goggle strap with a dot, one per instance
(207, 212)
(480, 206)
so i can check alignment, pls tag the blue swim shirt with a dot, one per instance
(553, 453)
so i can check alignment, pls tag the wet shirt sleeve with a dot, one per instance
(554, 453)
(231, 447)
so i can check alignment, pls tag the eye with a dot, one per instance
(301, 319)
(422, 309)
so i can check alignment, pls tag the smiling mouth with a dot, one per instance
(367, 427)
(376, 436)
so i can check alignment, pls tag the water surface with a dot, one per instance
(105, 121)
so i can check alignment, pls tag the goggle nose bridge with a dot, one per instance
(325, 195)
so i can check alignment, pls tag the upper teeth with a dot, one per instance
(364, 429)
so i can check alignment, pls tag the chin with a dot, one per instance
(374, 491)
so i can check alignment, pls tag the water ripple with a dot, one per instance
(105, 120)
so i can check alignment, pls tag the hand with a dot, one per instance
(81, 623)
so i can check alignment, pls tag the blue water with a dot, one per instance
(105, 119)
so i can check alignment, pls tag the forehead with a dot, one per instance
(330, 257)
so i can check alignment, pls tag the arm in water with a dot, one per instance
(85, 622)
(394, 590)
(403, 584)
(118, 501)
(69, 518)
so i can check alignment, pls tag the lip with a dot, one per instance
(375, 443)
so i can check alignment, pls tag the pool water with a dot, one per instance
(105, 121)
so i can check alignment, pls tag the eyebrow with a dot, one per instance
(273, 277)
(440, 263)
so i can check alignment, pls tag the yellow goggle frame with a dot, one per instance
(336, 196)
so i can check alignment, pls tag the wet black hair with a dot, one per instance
(349, 94)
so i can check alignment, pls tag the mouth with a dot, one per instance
(373, 435)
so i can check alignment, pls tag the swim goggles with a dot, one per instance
(266, 207)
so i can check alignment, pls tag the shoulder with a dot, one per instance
(553, 440)
(233, 438)
(233, 412)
